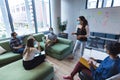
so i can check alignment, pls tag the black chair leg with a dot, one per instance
(84, 76)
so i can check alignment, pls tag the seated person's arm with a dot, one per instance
(39, 48)
(12, 45)
(98, 71)
(20, 46)
(97, 60)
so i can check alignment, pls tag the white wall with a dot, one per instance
(70, 10)
(67, 14)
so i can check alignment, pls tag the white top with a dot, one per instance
(29, 56)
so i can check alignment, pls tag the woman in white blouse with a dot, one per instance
(30, 60)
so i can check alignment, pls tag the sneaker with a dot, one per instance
(67, 77)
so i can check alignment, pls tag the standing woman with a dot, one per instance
(30, 61)
(82, 33)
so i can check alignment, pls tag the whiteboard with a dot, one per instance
(104, 20)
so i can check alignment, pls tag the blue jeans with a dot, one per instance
(19, 50)
(78, 44)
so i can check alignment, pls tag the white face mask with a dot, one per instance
(51, 31)
(78, 22)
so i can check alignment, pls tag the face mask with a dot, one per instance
(78, 22)
(17, 36)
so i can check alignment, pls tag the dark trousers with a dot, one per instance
(33, 63)
(80, 67)
(19, 50)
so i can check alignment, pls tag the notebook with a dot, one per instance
(85, 63)
(43, 53)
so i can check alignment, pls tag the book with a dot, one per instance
(85, 63)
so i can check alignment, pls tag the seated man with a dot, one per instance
(16, 43)
(51, 39)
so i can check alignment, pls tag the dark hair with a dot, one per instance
(113, 47)
(12, 34)
(85, 22)
(30, 42)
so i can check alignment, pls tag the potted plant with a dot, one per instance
(62, 27)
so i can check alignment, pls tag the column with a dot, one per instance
(55, 13)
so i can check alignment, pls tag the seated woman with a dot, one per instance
(30, 61)
(108, 67)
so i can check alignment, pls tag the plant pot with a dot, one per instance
(63, 35)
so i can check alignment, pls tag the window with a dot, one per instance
(5, 29)
(22, 17)
(91, 4)
(2, 27)
(42, 15)
(100, 3)
(107, 3)
(116, 3)
(23, 7)
(17, 8)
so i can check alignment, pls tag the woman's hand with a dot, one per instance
(73, 33)
(92, 58)
(90, 62)
(80, 36)
(39, 48)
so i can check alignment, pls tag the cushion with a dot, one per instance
(59, 48)
(2, 50)
(9, 57)
(15, 71)
(5, 44)
(38, 36)
(42, 44)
